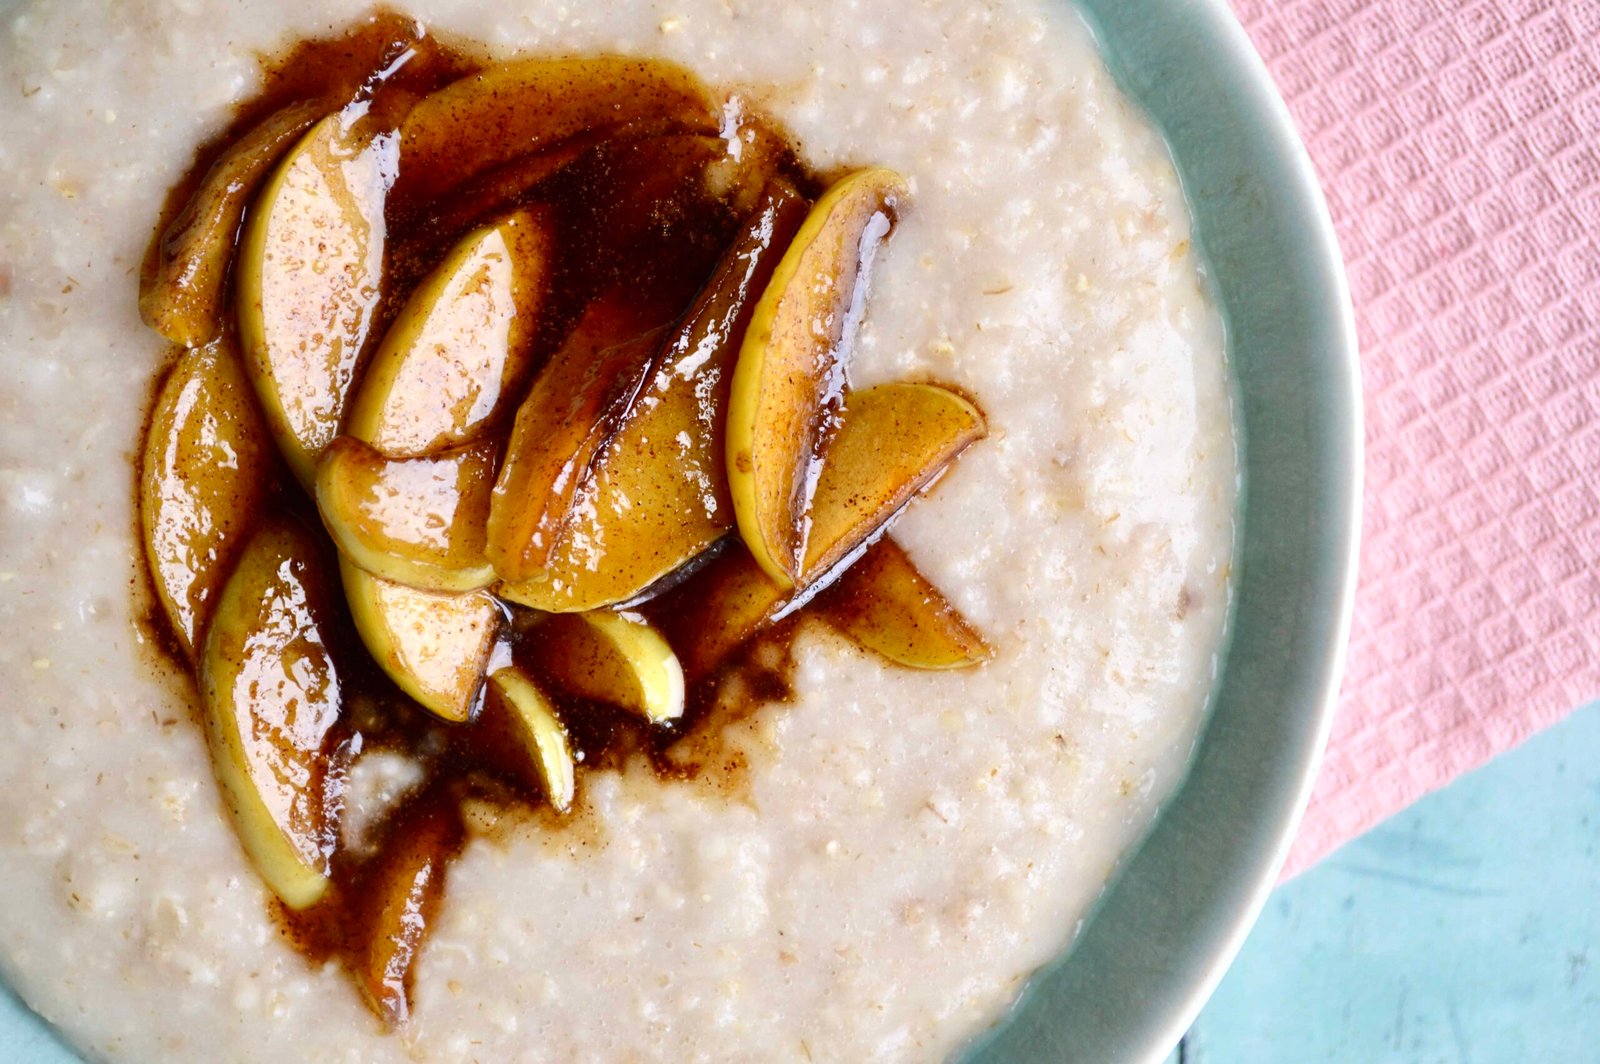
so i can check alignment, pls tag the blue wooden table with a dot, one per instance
(1466, 930)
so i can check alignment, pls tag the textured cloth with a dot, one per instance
(1457, 144)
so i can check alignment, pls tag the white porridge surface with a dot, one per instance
(912, 845)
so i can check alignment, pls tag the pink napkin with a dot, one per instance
(1458, 142)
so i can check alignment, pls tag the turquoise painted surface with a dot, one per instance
(1466, 930)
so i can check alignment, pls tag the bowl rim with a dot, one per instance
(1324, 246)
(1224, 30)
(1175, 956)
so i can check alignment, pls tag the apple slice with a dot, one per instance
(461, 344)
(535, 103)
(415, 521)
(657, 495)
(534, 722)
(893, 441)
(789, 377)
(458, 348)
(612, 657)
(726, 602)
(560, 429)
(886, 606)
(310, 264)
(648, 257)
(206, 470)
(182, 289)
(271, 697)
(434, 645)
(403, 893)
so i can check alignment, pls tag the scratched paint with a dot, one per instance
(1465, 930)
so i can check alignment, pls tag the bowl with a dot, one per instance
(1178, 911)
(1180, 907)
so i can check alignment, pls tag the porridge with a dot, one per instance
(639, 817)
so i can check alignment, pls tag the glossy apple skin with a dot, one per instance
(535, 726)
(309, 268)
(183, 289)
(272, 696)
(434, 645)
(657, 493)
(614, 657)
(415, 521)
(206, 472)
(790, 376)
(884, 604)
(460, 349)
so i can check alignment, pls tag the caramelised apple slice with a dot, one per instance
(560, 429)
(309, 268)
(893, 441)
(403, 892)
(534, 722)
(789, 377)
(271, 695)
(537, 102)
(460, 346)
(207, 467)
(612, 657)
(648, 258)
(733, 600)
(657, 493)
(886, 606)
(434, 645)
(181, 292)
(416, 521)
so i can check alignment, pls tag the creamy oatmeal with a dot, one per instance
(898, 849)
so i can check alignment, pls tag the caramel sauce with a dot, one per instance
(630, 214)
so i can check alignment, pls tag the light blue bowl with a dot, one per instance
(1178, 912)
